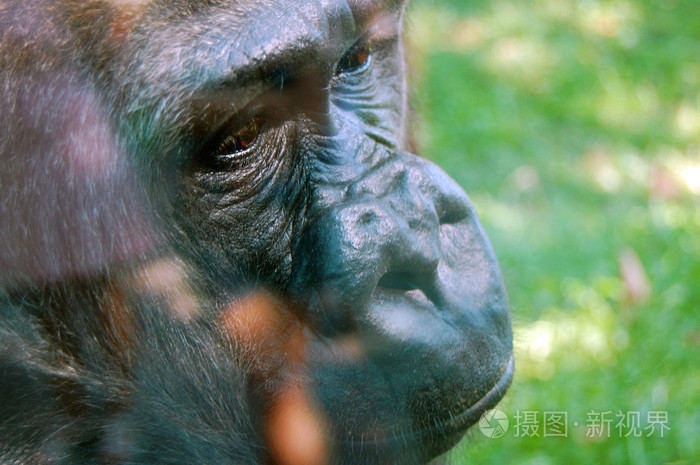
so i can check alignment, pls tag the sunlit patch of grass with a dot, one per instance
(620, 105)
(524, 60)
(589, 334)
(687, 119)
(691, 177)
(611, 19)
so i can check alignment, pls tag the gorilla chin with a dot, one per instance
(217, 246)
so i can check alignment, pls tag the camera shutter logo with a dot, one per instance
(493, 423)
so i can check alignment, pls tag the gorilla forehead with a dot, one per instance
(191, 71)
(239, 42)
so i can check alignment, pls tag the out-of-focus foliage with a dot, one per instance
(574, 125)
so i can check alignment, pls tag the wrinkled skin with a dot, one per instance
(207, 202)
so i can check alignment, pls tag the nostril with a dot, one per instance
(451, 217)
(407, 281)
(450, 201)
(367, 218)
(402, 280)
(451, 209)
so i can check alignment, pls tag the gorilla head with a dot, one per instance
(253, 153)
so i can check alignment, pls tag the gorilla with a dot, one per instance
(217, 248)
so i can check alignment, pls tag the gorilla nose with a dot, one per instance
(383, 235)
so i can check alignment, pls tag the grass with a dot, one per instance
(575, 128)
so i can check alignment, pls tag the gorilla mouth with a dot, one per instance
(444, 433)
(471, 414)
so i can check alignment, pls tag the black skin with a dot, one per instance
(230, 149)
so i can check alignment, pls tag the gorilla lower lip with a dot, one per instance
(472, 414)
(457, 424)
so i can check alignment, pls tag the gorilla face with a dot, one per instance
(294, 178)
(271, 137)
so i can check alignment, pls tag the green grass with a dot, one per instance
(575, 128)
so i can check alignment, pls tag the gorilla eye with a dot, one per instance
(240, 140)
(356, 59)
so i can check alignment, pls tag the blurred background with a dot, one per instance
(574, 125)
